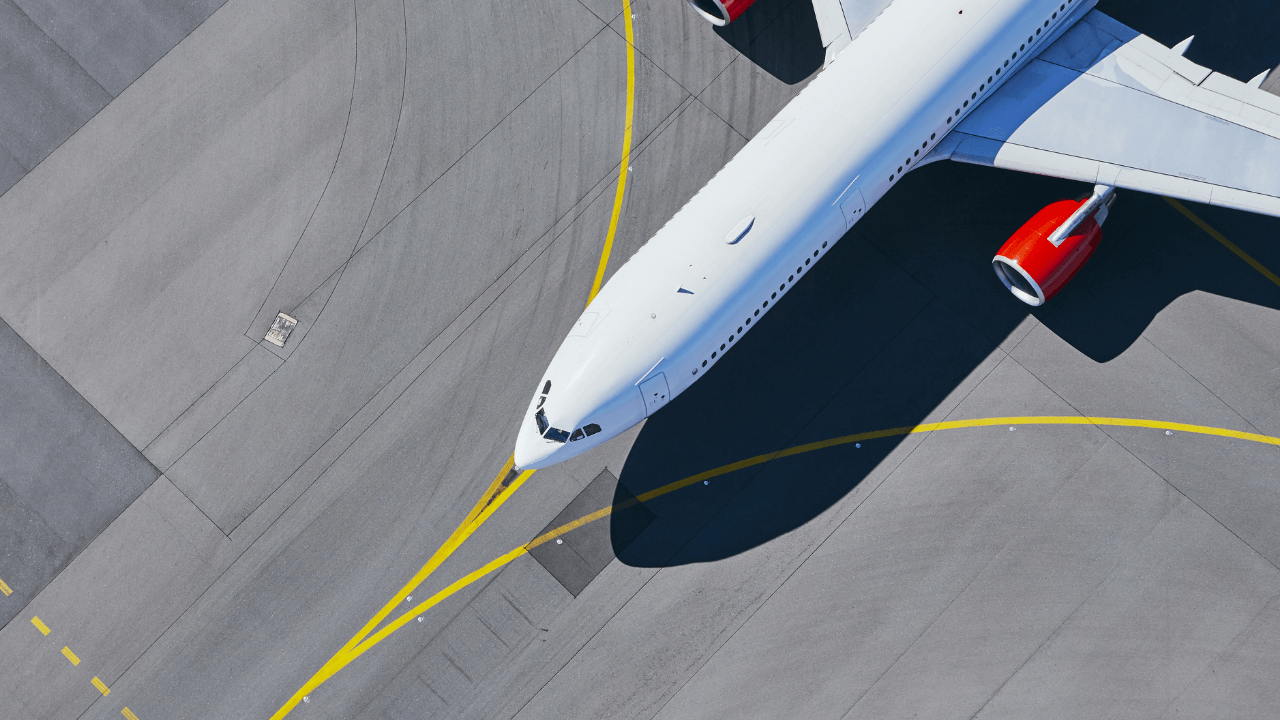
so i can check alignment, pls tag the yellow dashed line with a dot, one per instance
(129, 714)
(102, 687)
(70, 655)
(626, 155)
(44, 629)
(5, 589)
(1225, 242)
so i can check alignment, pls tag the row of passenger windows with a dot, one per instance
(982, 87)
(746, 325)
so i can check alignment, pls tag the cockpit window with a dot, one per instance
(546, 389)
(577, 435)
(591, 429)
(541, 419)
(556, 435)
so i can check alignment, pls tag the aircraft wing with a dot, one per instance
(1105, 104)
(839, 21)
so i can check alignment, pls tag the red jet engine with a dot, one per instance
(721, 12)
(1051, 247)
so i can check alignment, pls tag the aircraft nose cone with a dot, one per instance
(533, 452)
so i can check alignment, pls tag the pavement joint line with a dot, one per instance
(35, 620)
(1223, 240)
(70, 655)
(365, 641)
(503, 485)
(4, 588)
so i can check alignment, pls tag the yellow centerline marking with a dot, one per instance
(129, 714)
(4, 588)
(1225, 242)
(502, 488)
(44, 629)
(70, 655)
(102, 687)
(359, 646)
(626, 155)
(497, 493)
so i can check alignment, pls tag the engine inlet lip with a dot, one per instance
(719, 20)
(1001, 265)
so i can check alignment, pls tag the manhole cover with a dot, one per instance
(280, 330)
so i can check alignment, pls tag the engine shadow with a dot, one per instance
(780, 37)
(888, 328)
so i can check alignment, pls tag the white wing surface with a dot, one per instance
(839, 21)
(1105, 104)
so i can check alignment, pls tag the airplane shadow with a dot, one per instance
(780, 37)
(904, 309)
(889, 324)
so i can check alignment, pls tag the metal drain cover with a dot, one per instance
(280, 330)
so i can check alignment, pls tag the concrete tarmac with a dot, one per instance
(427, 189)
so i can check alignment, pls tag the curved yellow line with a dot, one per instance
(493, 498)
(626, 155)
(360, 643)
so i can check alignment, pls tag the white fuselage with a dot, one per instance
(806, 178)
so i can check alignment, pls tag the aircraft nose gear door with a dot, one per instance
(655, 393)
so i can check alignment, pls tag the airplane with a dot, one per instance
(1052, 87)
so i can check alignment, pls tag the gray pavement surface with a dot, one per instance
(427, 188)
(62, 62)
(65, 473)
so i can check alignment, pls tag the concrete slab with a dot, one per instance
(153, 234)
(943, 561)
(1241, 680)
(334, 227)
(207, 411)
(360, 343)
(65, 472)
(579, 556)
(118, 40)
(675, 38)
(47, 95)
(443, 116)
(111, 604)
(1157, 624)
(508, 615)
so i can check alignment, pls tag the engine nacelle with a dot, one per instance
(1052, 246)
(721, 12)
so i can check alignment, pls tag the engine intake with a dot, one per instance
(1046, 252)
(721, 12)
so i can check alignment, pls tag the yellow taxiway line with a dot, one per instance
(497, 493)
(626, 155)
(363, 641)
(1225, 242)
